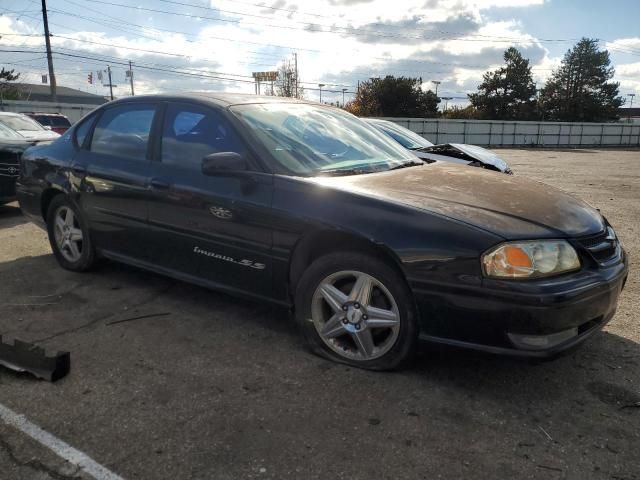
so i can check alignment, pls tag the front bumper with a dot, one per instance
(530, 319)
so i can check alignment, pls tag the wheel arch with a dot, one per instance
(47, 197)
(315, 244)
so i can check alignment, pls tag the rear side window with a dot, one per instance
(191, 132)
(42, 120)
(59, 122)
(123, 131)
(82, 130)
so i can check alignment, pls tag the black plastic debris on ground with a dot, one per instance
(27, 357)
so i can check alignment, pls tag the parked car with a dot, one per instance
(307, 206)
(27, 127)
(55, 121)
(447, 152)
(12, 145)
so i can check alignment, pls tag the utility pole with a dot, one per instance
(130, 78)
(295, 60)
(343, 90)
(321, 85)
(110, 84)
(47, 41)
(632, 95)
(436, 83)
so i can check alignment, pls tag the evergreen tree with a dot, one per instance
(580, 90)
(8, 91)
(507, 93)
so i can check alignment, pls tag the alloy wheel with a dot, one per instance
(355, 315)
(68, 234)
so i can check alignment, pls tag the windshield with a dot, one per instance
(6, 132)
(21, 122)
(404, 136)
(311, 140)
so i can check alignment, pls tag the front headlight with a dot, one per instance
(531, 259)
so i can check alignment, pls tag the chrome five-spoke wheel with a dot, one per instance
(68, 234)
(355, 315)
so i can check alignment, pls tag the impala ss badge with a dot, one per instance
(244, 262)
(221, 212)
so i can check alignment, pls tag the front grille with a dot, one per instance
(603, 247)
(10, 165)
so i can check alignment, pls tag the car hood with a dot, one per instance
(463, 153)
(512, 207)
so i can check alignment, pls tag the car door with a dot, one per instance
(115, 168)
(216, 228)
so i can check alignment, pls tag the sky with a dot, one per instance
(215, 45)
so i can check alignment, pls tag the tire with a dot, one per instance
(58, 210)
(339, 334)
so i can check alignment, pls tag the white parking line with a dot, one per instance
(60, 448)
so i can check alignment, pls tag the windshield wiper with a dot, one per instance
(343, 171)
(412, 163)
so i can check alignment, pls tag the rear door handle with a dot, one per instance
(159, 183)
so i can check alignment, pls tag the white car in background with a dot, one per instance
(446, 152)
(26, 127)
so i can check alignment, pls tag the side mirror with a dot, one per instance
(223, 163)
(47, 127)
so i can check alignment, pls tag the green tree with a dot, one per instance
(394, 97)
(507, 93)
(580, 90)
(467, 113)
(8, 91)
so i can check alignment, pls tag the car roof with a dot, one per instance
(11, 114)
(222, 99)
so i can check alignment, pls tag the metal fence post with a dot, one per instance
(464, 131)
(601, 134)
(490, 132)
(437, 142)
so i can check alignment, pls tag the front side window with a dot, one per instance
(123, 131)
(191, 132)
(311, 140)
(82, 130)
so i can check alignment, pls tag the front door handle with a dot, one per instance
(79, 170)
(159, 183)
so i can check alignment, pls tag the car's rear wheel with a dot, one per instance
(69, 235)
(356, 309)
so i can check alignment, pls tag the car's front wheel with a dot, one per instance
(69, 235)
(358, 310)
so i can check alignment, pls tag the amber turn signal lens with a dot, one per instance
(517, 257)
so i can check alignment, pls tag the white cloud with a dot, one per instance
(450, 40)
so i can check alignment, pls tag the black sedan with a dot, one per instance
(308, 206)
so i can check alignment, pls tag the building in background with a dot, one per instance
(33, 92)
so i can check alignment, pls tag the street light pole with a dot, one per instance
(446, 102)
(631, 104)
(343, 90)
(321, 85)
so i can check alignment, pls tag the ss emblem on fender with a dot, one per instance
(220, 212)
